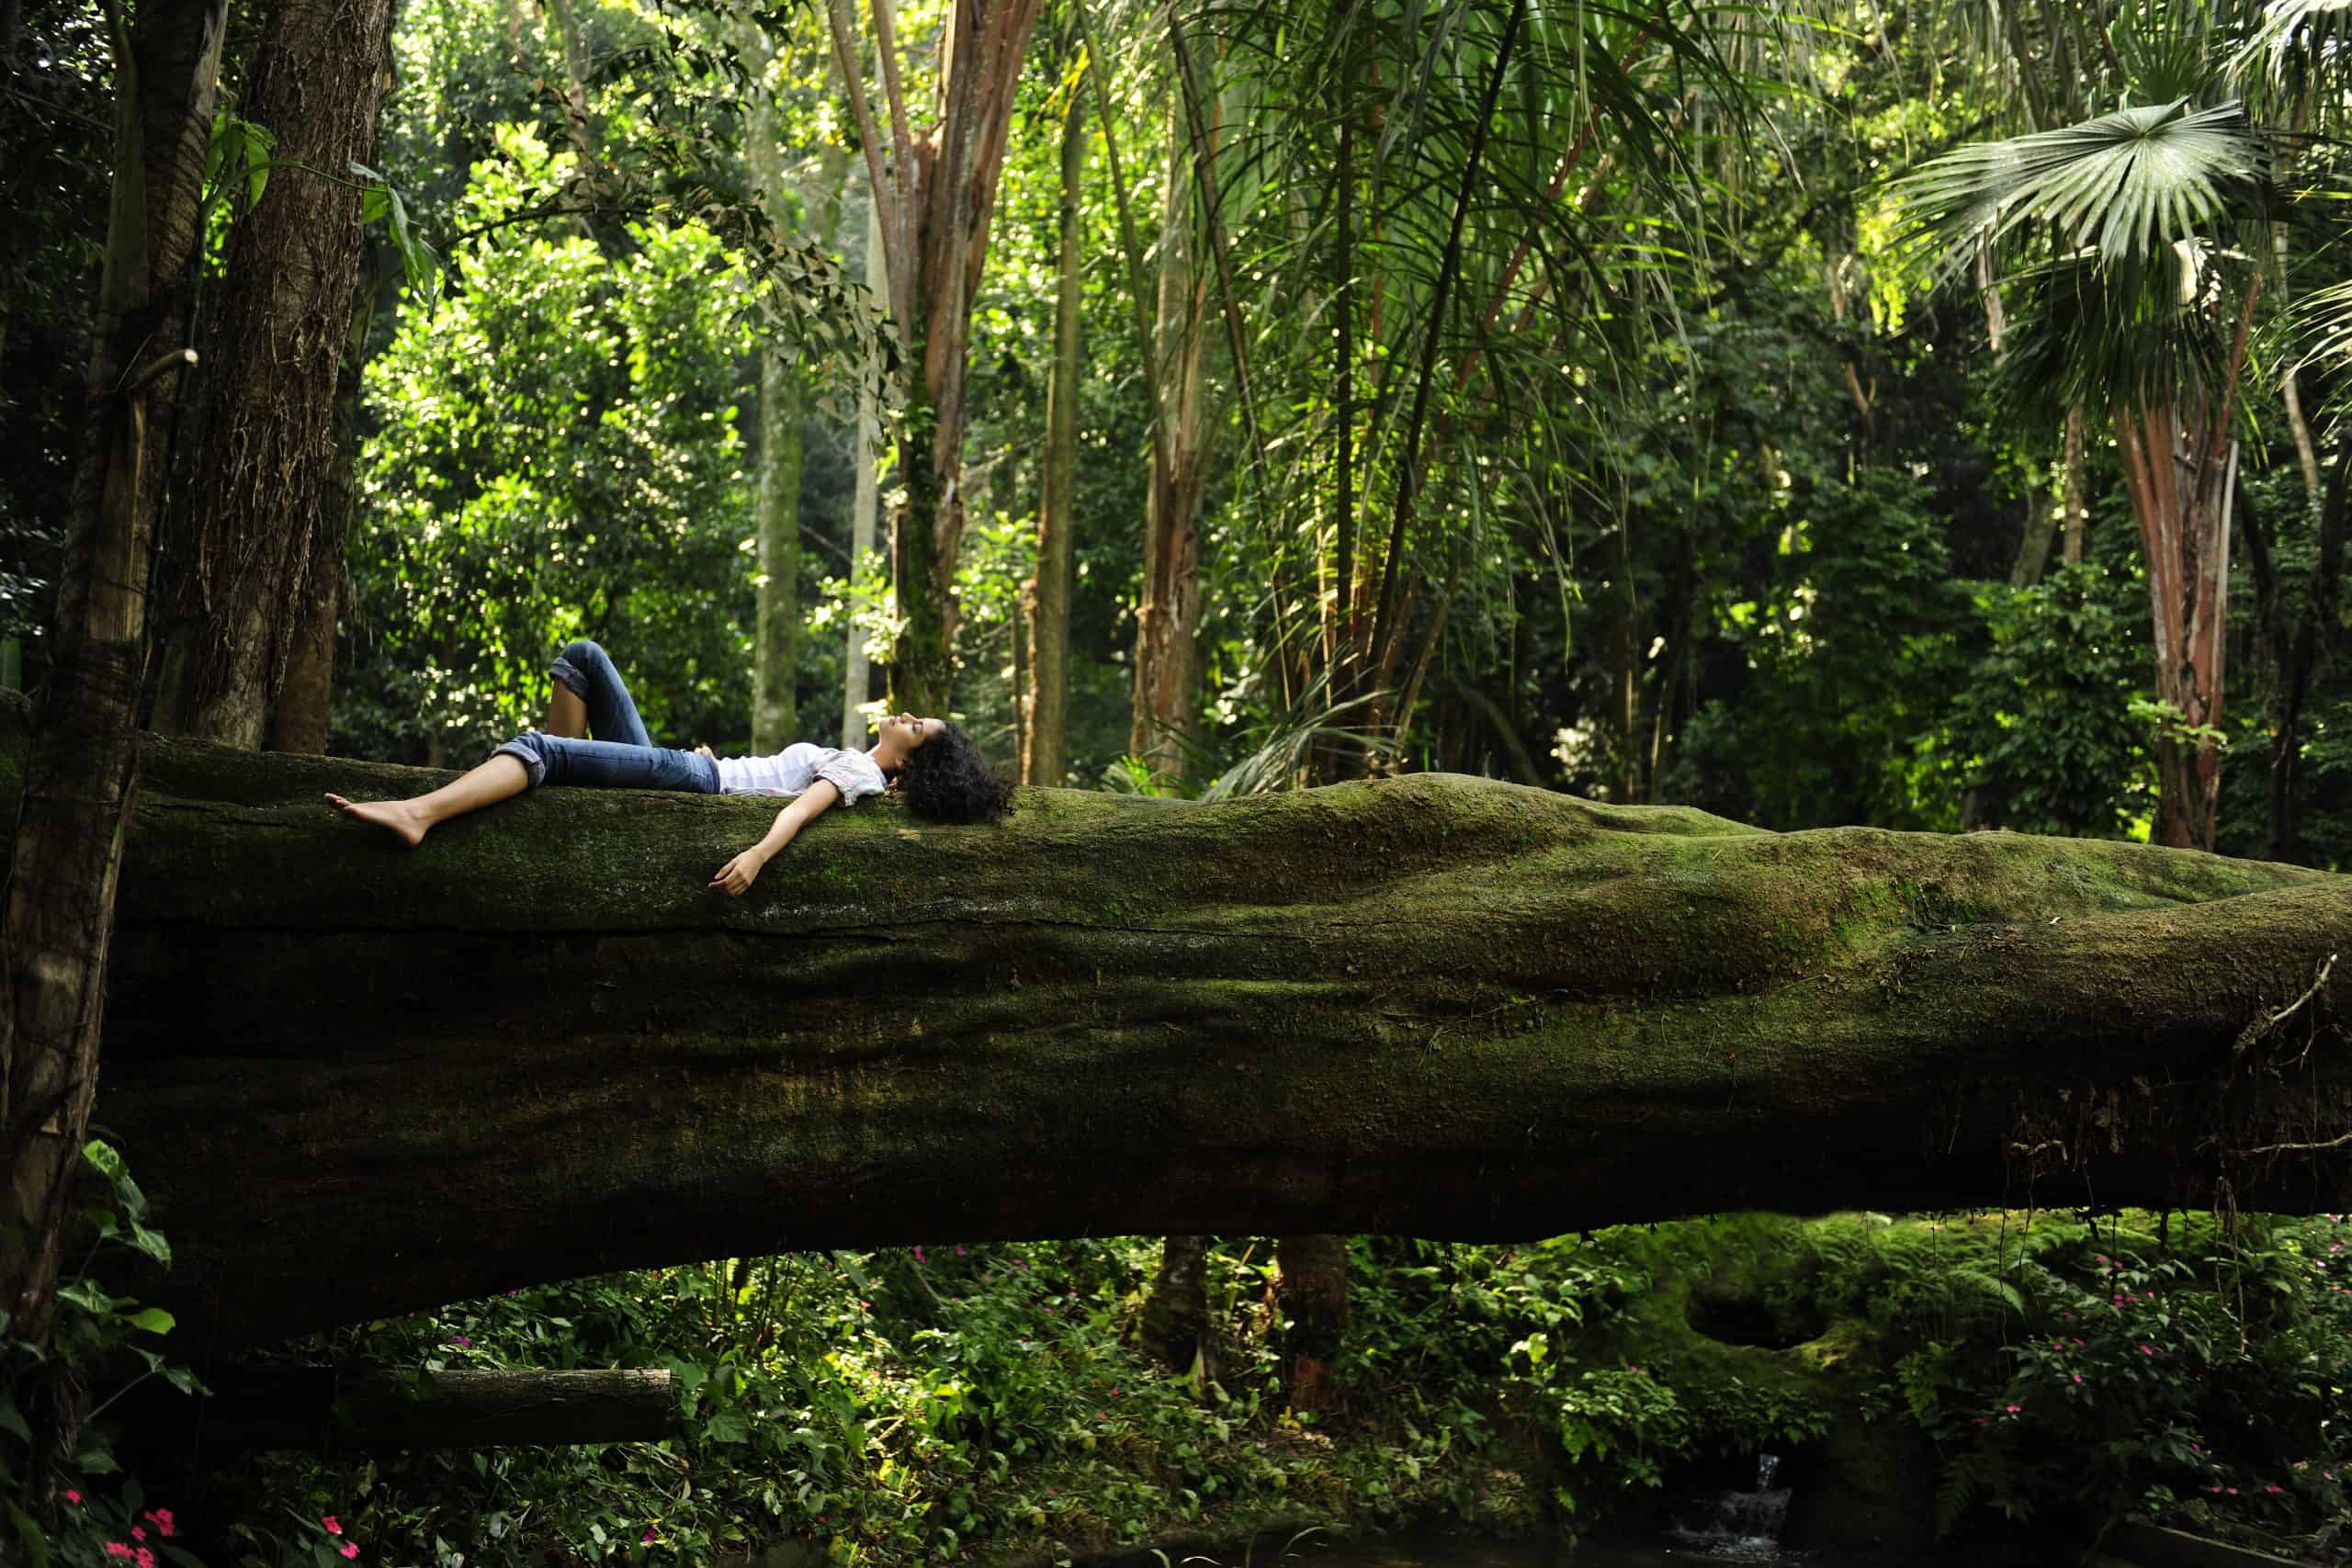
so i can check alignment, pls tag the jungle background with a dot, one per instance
(1649, 403)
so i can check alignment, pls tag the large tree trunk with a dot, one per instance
(266, 542)
(76, 785)
(1429, 1004)
(1044, 749)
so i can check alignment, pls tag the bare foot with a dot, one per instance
(398, 816)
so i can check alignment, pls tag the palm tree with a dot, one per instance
(2132, 245)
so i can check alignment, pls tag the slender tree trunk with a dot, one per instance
(266, 540)
(1175, 1325)
(938, 194)
(2042, 522)
(777, 594)
(775, 721)
(784, 409)
(1168, 618)
(2181, 472)
(865, 507)
(2071, 490)
(2295, 646)
(1045, 739)
(1312, 1295)
(82, 768)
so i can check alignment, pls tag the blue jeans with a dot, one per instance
(622, 755)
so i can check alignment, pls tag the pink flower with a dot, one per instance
(867, 1305)
(137, 1533)
(2078, 1377)
(2197, 1448)
(919, 1257)
(1049, 1491)
(162, 1518)
(2273, 1491)
(2012, 1409)
(71, 1496)
(2215, 1488)
(959, 1250)
(144, 1558)
(1982, 1422)
(461, 1342)
(1115, 1391)
(647, 1538)
(121, 1548)
(349, 1549)
(330, 1524)
(2147, 1350)
(2233, 1491)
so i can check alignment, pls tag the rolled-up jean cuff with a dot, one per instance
(569, 673)
(535, 766)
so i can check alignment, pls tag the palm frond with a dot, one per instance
(2128, 185)
(2299, 44)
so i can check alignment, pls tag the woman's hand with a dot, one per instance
(738, 874)
(705, 751)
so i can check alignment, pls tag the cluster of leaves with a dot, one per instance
(68, 1499)
(2209, 1386)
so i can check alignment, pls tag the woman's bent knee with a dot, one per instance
(578, 664)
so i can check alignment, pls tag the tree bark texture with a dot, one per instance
(1175, 1326)
(266, 540)
(326, 1407)
(537, 1047)
(866, 505)
(1312, 1294)
(75, 788)
(300, 719)
(1045, 737)
(2180, 468)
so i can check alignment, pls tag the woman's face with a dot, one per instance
(909, 731)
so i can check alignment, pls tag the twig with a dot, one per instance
(2296, 1148)
(178, 359)
(2262, 1026)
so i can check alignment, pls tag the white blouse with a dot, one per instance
(796, 767)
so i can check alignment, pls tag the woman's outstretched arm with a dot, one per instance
(738, 874)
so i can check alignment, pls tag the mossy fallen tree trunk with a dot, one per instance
(357, 1081)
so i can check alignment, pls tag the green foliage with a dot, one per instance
(2206, 1386)
(2049, 720)
(554, 453)
(66, 1497)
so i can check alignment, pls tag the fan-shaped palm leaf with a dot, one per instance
(2130, 186)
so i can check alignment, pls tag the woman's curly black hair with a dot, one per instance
(947, 780)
